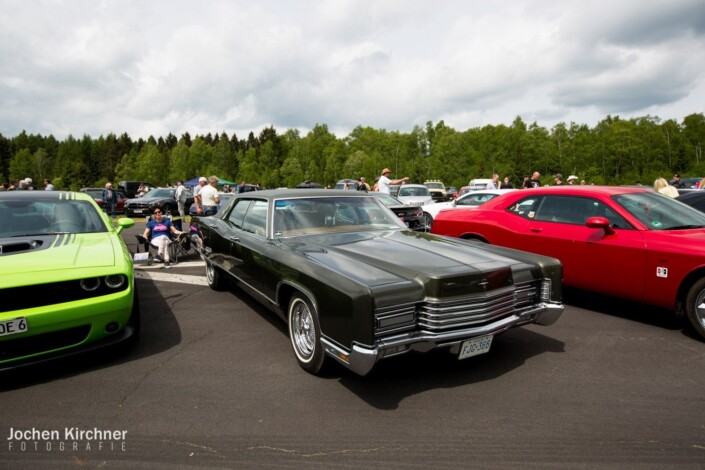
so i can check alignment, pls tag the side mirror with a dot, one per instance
(124, 223)
(600, 222)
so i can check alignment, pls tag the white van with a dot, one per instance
(479, 183)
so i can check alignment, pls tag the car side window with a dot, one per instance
(576, 210)
(256, 218)
(237, 215)
(525, 208)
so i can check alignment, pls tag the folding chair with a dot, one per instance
(174, 248)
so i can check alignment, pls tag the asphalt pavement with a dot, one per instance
(213, 383)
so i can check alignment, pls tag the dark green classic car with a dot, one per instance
(353, 283)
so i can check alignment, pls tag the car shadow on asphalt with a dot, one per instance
(160, 331)
(394, 379)
(628, 310)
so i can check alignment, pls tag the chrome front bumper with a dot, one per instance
(361, 358)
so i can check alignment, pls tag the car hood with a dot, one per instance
(146, 200)
(22, 255)
(442, 266)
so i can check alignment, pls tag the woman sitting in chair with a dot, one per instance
(160, 229)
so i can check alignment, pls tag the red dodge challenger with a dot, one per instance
(626, 242)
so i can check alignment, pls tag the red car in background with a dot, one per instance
(625, 242)
(97, 194)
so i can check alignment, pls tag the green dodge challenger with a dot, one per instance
(66, 278)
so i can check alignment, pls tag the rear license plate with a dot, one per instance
(475, 346)
(13, 327)
(137, 211)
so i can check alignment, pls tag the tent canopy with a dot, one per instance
(221, 181)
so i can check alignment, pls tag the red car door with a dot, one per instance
(593, 259)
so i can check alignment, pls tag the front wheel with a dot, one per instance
(695, 307)
(429, 220)
(305, 334)
(214, 276)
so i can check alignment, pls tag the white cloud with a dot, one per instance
(88, 67)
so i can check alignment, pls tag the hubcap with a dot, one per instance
(209, 273)
(302, 330)
(700, 307)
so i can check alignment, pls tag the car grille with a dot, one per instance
(464, 312)
(23, 297)
(20, 347)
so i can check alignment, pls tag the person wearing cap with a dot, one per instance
(558, 178)
(384, 181)
(676, 181)
(572, 179)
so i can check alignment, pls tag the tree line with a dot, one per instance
(615, 151)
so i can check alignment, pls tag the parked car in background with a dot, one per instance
(452, 192)
(412, 216)
(625, 242)
(97, 195)
(470, 200)
(354, 285)
(162, 198)
(352, 184)
(437, 189)
(414, 195)
(394, 189)
(691, 183)
(67, 282)
(225, 198)
(479, 183)
(131, 187)
(695, 199)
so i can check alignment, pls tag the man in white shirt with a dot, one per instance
(202, 181)
(209, 196)
(384, 181)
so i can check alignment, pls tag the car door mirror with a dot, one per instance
(600, 222)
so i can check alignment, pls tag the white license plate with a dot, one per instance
(137, 211)
(475, 346)
(13, 327)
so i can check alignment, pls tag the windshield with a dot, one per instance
(434, 185)
(405, 191)
(160, 192)
(321, 215)
(45, 217)
(658, 212)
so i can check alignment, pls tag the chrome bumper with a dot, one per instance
(361, 358)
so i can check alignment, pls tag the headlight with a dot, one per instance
(91, 284)
(115, 281)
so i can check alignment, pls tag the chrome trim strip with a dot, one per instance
(363, 358)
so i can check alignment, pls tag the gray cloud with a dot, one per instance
(157, 67)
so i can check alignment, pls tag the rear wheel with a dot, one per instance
(305, 334)
(214, 276)
(695, 307)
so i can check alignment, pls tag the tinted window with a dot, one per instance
(575, 210)
(256, 218)
(237, 215)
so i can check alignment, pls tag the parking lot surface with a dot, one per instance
(213, 383)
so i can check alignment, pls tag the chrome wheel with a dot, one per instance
(695, 307)
(305, 334)
(214, 276)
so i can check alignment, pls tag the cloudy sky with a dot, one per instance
(153, 67)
